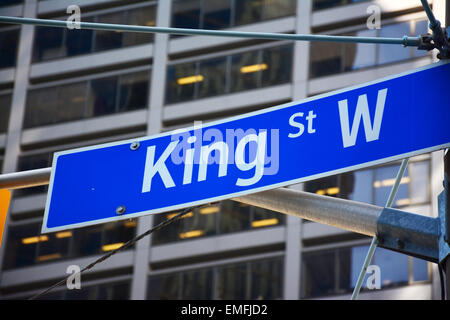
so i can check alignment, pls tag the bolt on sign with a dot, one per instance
(5, 197)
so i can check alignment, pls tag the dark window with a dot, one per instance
(8, 47)
(326, 4)
(105, 40)
(48, 43)
(197, 285)
(217, 14)
(164, 287)
(214, 77)
(231, 283)
(5, 3)
(5, 107)
(248, 11)
(259, 279)
(186, 14)
(133, 91)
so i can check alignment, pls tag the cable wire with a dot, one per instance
(123, 247)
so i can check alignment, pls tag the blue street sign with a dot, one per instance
(345, 130)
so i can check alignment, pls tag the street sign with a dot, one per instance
(345, 130)
(5, 197)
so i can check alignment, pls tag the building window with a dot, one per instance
(374, 185)
(5, 107)
(229, 74)
(86, 99)
(335, 271)
(326, 4)
(5, 3)
(220, 14)
(26, 245)
(225, 218)
(52, 43)
(9, 39)
(332, 58)
(258, 279)
(117, 290)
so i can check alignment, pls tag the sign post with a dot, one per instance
(365, 125)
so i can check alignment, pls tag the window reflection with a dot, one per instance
(86, 99)
(331, 58)
(335, 271)
(52, 43)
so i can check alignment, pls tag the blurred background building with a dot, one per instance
(61, 89)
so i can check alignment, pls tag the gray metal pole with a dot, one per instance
(345, 214)
(25, 179)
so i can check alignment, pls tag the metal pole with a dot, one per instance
(374, 243)
(345, 214)
(405, 40)
(25, 179)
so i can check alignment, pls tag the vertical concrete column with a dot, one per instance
(292, 261)
(154, 125)
(22, 70)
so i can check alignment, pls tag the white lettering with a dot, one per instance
(362, 111)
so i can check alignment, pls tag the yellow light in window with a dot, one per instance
(402, 202)
(187, 215)
(36, 239)
(321, 192)
(63, 234)
(209, 210)
(390, 182)
(112, 246)
(254, 68)
(130, 224)
(191, 234)
(47, 257)
(332, 191)
(150, 23)
(190, 79)
(78, 99)
(264, 223)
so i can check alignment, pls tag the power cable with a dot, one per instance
(123, 247)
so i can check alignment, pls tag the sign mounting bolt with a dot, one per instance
(120, 210)
(135, 146)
